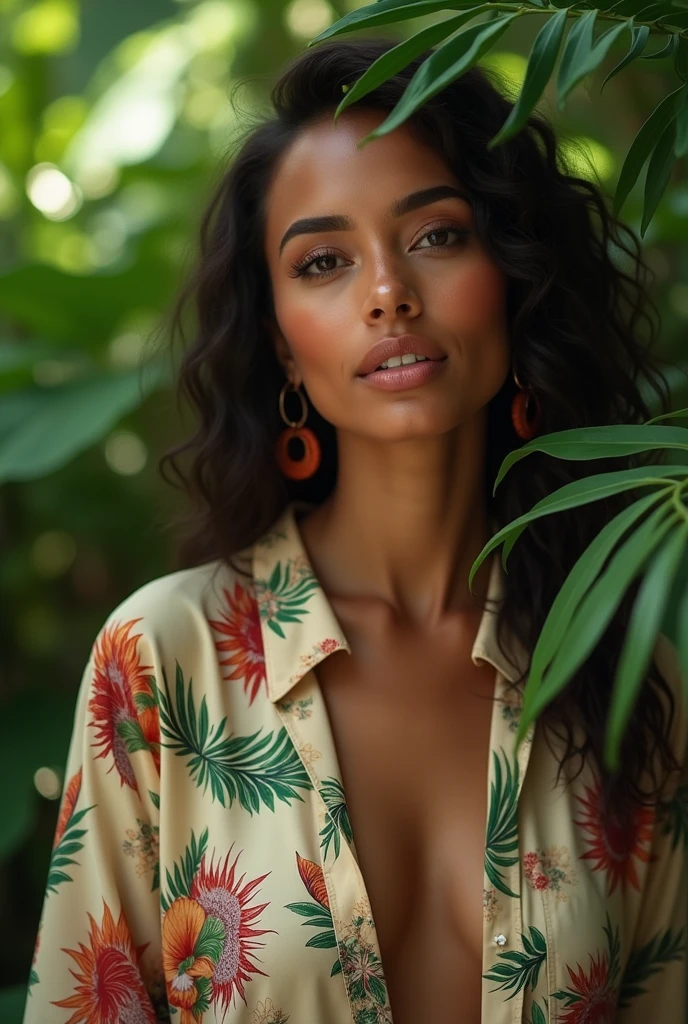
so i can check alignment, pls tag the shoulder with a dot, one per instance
(175, 611)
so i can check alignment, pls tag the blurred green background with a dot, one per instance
(115, 118)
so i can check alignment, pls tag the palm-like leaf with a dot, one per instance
(456, 46)
(249, 769)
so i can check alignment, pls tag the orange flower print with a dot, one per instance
(313, 878)
(124, 706)
(109, 987)
(191, 943)
(240, 624)
(615, 848)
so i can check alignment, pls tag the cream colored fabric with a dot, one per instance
(204, 866)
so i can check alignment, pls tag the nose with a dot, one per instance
(391, 297)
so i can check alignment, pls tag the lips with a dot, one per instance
(400, 345)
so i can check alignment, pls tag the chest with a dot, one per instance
(411, 725)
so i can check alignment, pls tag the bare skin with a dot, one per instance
(394, 543)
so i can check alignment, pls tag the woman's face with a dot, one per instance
(376, 270)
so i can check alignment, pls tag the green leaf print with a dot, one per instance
(211, 940)
(501, 844)
(244, 768)
(180, 883)
(283, 596)
(132, 734)
(33, 980)
(517, 969)
(675, 817)
(648, 960)
(538, 1016)
(338, 821)
(69, 844)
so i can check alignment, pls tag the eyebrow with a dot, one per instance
(399, 208)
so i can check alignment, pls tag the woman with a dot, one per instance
(293, 770)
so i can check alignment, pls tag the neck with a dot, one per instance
(405, 523)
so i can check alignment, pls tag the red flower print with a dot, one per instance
(216, 890)
(313, 878)
(595, 1002)
(613, 846)
(328, 646)
(71, 795)
(125, 712)
(109, 983)
(240, 623)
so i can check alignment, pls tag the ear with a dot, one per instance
(284, 354)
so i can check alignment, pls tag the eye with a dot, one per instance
(441, 231)
(300, 269)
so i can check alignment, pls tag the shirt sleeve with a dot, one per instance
(654, 981)
(98, 948)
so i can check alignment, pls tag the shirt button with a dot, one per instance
(500, 939)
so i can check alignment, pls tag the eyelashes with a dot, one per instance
(299, 268)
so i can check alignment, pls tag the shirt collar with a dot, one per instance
(299, 627)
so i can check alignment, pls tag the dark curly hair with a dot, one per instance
(581, 326)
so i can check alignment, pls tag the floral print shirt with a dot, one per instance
(204, 867)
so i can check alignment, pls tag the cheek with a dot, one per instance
(476, 299)
(312, 331)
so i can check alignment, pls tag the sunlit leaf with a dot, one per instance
(387, 12)
(68, 419)
(644, 625)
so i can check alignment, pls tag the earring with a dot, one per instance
(526, 412)
(305, 467)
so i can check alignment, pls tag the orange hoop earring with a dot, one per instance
(305, 467)
(526, 413)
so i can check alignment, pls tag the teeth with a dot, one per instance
(401, 360)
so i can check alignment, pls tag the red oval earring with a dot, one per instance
(526, 413)
(305, 467)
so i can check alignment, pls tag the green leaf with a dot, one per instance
(447, 63)
(666, 51)
(681, 143)
(649, 959)
(67, 419)
(541, 63)
(323, 940)
(538, 1016)
(658, 173)
(568, 598)
(639, 37)
(641, 635)
(143, 701)
(643, 144)
(501, 845)
(598, 607)
(573, 495)
(211, 939)
(251, 769)
(155, 798)
(386, 12)
(581, 56)
(394, 60)
(581, 443)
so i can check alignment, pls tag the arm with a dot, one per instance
(98, 946)
(653, 986)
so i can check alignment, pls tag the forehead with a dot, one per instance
(323, 171)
